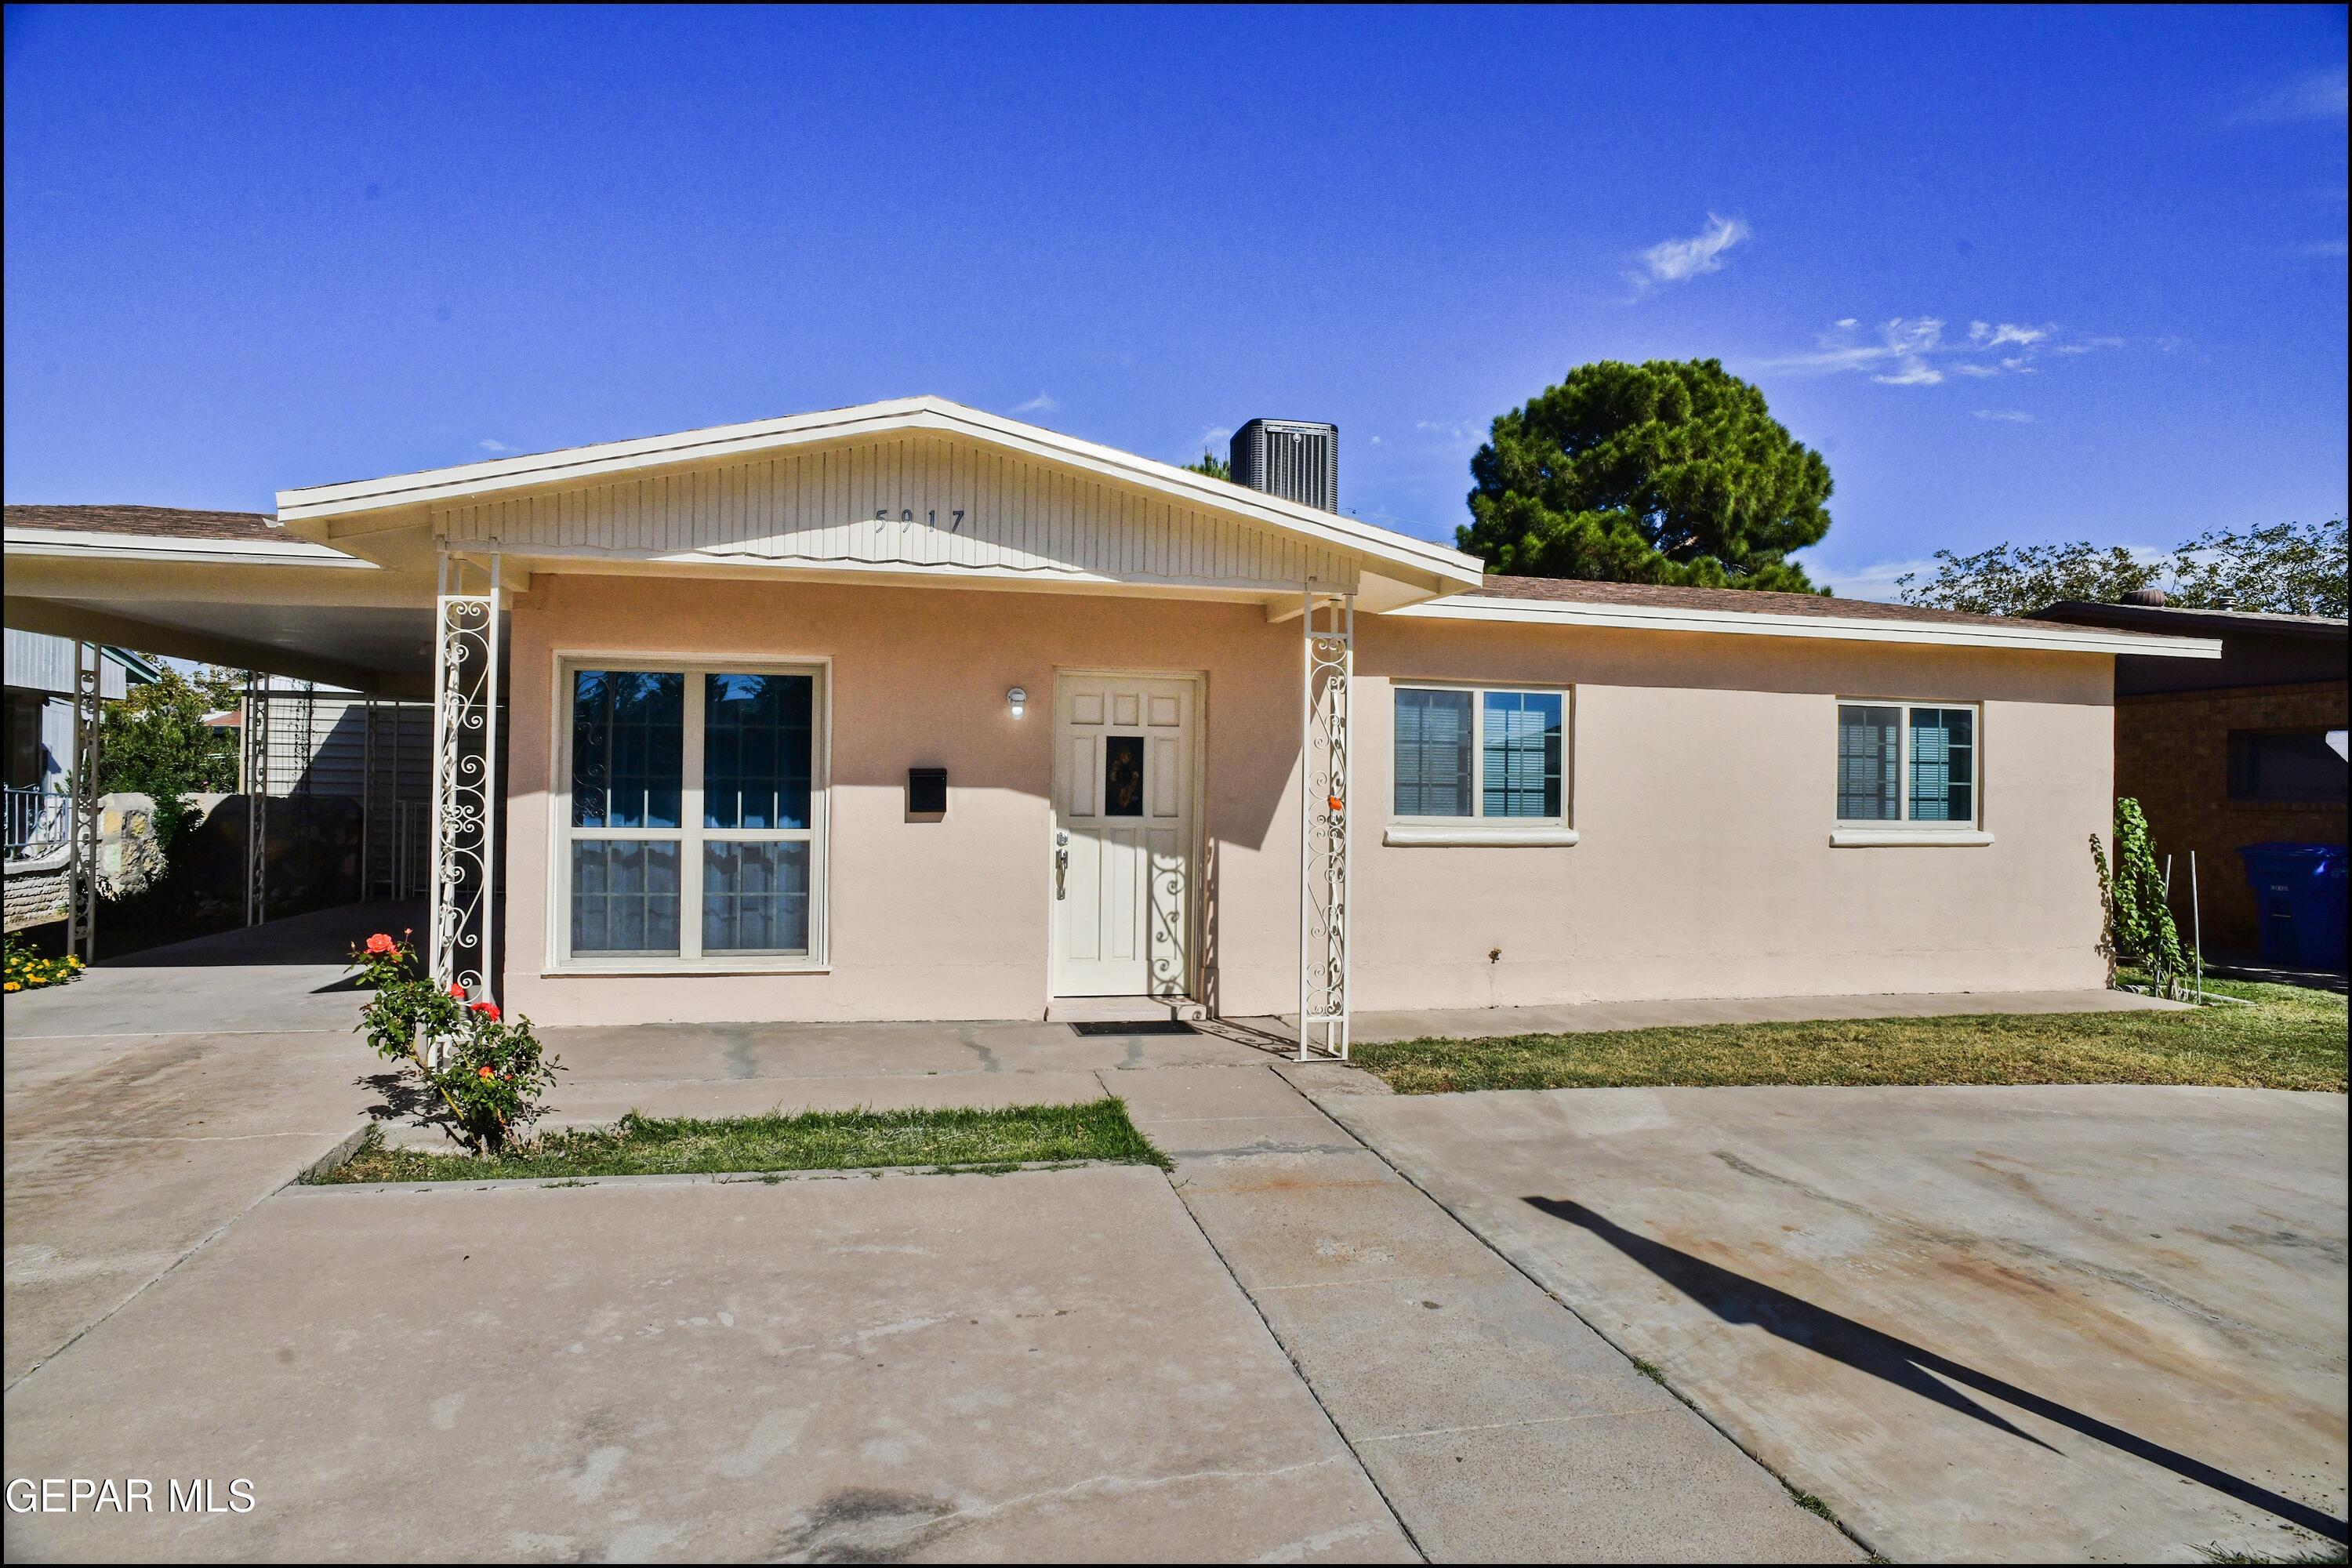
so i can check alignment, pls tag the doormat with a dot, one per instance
(1141, 1026)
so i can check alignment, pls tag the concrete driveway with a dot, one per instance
(1287, 1352)
(159, 1096)
(2020, 1325)
(870, 1368)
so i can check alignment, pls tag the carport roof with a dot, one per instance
(154, 522)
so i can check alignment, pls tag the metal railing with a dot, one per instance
(37, 822)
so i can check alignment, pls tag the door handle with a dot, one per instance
(1061, 873)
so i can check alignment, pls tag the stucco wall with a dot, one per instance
(927, 920)
(1702, 782)
(1701, 778)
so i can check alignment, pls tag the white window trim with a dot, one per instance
(1906, 833)
(687, 835)
(1522, 831)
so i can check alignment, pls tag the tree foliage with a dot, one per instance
(2289, 568)
(1670, 472)
(1216, 468)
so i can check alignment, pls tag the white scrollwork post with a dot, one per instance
(1323, 840)
(82, 869)
(465, 782)
(256, 797)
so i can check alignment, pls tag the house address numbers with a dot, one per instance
(931, 516)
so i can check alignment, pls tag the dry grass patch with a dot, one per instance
(2282, 1037)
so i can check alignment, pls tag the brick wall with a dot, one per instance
(2173, 753)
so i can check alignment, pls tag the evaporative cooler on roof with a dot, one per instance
(1297, 459)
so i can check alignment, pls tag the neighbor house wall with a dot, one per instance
(1702, 782)
(927, 919)
(2173, 753)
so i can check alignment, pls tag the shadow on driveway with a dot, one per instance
(1734, 1297)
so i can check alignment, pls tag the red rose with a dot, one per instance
(380, 943)
(488, 1009)
(457, 991)
(487, 1073)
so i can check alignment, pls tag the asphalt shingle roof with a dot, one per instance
(159, 521)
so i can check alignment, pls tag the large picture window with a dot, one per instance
(1465, 753)
(1905, 763)
(692, 831)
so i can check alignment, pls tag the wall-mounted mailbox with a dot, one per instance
(927, 791)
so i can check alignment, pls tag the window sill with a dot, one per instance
(675, 968)
(1417, 833)
(1907, 838)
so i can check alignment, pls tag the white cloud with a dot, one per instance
(2325, 249)
(1916, 351)
(1991, 337)
(1874, 581)
(1044, 403)
(2317, 95)
(488, 445)
(2005, 416)
(1676, 260)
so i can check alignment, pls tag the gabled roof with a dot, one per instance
(1445, 569)
(1745, 611)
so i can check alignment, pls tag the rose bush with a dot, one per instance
(488, 1070)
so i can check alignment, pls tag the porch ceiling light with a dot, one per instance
(1019, 699)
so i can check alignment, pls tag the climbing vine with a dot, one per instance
(2140, 931)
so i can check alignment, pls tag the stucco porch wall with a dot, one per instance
(1703, 788)
(927, 920)
(1702, 783)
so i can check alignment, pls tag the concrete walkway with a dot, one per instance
(1592, 1018)
(1497, 1426)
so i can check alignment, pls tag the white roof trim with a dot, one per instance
(86, 544)
(1849, 628)
(584, 463)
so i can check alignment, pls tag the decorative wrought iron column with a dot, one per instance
(256, 740)
(460, 886)
(1323, 838)
(83, 873)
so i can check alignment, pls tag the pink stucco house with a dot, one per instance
(907, 711)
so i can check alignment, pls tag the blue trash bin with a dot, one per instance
(2298, 902)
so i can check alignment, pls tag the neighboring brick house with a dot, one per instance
(2248, 749)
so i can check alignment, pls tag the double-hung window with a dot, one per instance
(1907, 767)
(1479, 765)
(692, 830)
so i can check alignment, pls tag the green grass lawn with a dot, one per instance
(2287, 1038)
(810, 1141)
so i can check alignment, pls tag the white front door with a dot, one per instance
(1122, 839)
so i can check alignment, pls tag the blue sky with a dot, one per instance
(2017, 274)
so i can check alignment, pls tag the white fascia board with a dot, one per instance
(579, 464)
(81, 545)
(2042, 636)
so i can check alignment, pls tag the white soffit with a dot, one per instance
(2036, 635)
(1450, 569)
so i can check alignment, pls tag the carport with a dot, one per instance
(337, 657)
